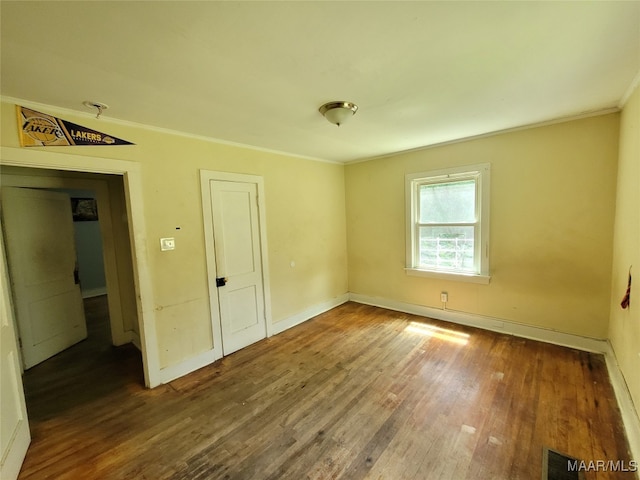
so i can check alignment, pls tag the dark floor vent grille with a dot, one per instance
(557, 466)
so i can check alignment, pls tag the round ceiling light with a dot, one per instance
(338, 112)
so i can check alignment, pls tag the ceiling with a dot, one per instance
(255, 73)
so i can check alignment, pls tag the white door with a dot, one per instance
(238, 259)
(42, 265)
(14, 427)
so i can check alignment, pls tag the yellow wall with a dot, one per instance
(624, 329)
(305, 206)
(552, 207)
(552, 215)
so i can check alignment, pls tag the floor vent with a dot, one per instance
(557, 466)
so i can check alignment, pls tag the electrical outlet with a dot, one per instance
(444, 297)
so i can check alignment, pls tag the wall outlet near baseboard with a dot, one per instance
(444, 297)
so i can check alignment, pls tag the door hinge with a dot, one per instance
(221, 281)
(20, 342)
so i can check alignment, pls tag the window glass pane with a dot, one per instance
(447, 248)
(452, 202)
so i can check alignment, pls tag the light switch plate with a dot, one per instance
(167, 244)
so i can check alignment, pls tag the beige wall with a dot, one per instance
(552, 201)
(624, 329)
(552, 207)
(305, 214)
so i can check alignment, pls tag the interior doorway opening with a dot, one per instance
(106, 361)
(130, 299)
(107, 272)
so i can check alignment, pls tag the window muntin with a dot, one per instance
(446, 248)
(447, 217)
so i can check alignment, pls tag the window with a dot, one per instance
(448, 223)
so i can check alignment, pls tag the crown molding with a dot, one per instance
(53, 110)
(546, 123)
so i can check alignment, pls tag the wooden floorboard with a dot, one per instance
(356, 393)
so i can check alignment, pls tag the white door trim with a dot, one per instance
(205, 177)
(15, 448)
(132, 175)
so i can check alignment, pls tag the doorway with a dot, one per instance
(118, 184)
(116, 261)
(15, 420)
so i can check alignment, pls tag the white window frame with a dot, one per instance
(481, 173)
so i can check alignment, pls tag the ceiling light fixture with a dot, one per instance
(338, 112)
(97, 105)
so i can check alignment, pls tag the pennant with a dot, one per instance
(41, 130)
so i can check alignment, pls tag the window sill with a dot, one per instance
(456, 277)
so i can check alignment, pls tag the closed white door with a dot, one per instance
(14, 427)
(238, 263)
(42, 265)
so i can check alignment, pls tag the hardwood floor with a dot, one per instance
(358, 392)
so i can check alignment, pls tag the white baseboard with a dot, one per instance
(135, 339)
(94, 292)
(623, 396)
(309, 313)
(202, 360)
(124, 337)
(488, 323)
(191, 365)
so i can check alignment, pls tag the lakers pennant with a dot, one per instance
(42, 130)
